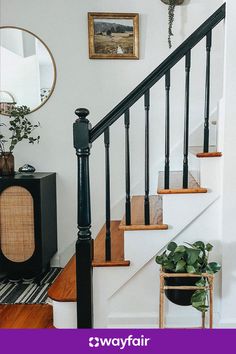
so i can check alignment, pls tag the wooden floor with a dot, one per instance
(26, 316)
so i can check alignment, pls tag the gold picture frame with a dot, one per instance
(113, 35)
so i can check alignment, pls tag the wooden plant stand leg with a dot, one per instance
(162, 302)
(203, 320)
(211, 289)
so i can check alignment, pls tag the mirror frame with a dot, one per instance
(53, 63)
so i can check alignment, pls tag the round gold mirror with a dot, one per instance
(27, 70)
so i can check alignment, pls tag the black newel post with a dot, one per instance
(84, 245)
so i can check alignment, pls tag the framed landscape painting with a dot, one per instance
(113, 35)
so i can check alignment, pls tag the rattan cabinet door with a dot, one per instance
(17, 237)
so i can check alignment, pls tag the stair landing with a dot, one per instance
(176, 184)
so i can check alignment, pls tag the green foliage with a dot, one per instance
(199, 299)
(20, 129)
(213, 267)
(192, 259)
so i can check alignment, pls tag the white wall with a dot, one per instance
(12, 40)
(229, 186)
(99, 85)
(20, 70)
(46, 76)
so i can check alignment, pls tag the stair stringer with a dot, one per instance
(142, 246)
(135, 305)
(108, 280)
(146, 244)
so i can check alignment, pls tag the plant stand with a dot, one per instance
(164, 287)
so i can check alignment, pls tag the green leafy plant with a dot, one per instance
(193, 259)
(20, 128)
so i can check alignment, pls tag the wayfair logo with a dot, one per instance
(94, 342)
(130, 341)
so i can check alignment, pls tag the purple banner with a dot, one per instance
(117, 341)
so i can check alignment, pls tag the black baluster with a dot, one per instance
(186, 119)
(84, 241)
(108, 197)
(127, 170)
(146, 197)
(207, 92)
(167, 132)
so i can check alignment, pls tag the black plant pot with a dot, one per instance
(180, 297)
(177, 2)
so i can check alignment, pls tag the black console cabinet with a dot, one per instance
(28, 223)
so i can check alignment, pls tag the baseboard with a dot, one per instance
(227, 323)
(64, 315)
(150, 320)
(66, 255)
(55, 261)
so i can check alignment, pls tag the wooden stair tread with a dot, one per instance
(209, 154)
(64, 287)
(197, 150)
(137, 215)
(117, 247)
(176, 182)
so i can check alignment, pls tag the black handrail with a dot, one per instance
(158, 73)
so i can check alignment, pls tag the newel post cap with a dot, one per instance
(82, 113)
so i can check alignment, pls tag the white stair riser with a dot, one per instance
(64, 314)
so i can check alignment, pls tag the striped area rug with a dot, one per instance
(28, 292)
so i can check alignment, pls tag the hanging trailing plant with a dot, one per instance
(171, 16)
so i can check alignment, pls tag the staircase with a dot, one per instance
(106, 282)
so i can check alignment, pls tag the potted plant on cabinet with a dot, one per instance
(18, 128)
(193, 259)
(171, 16)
